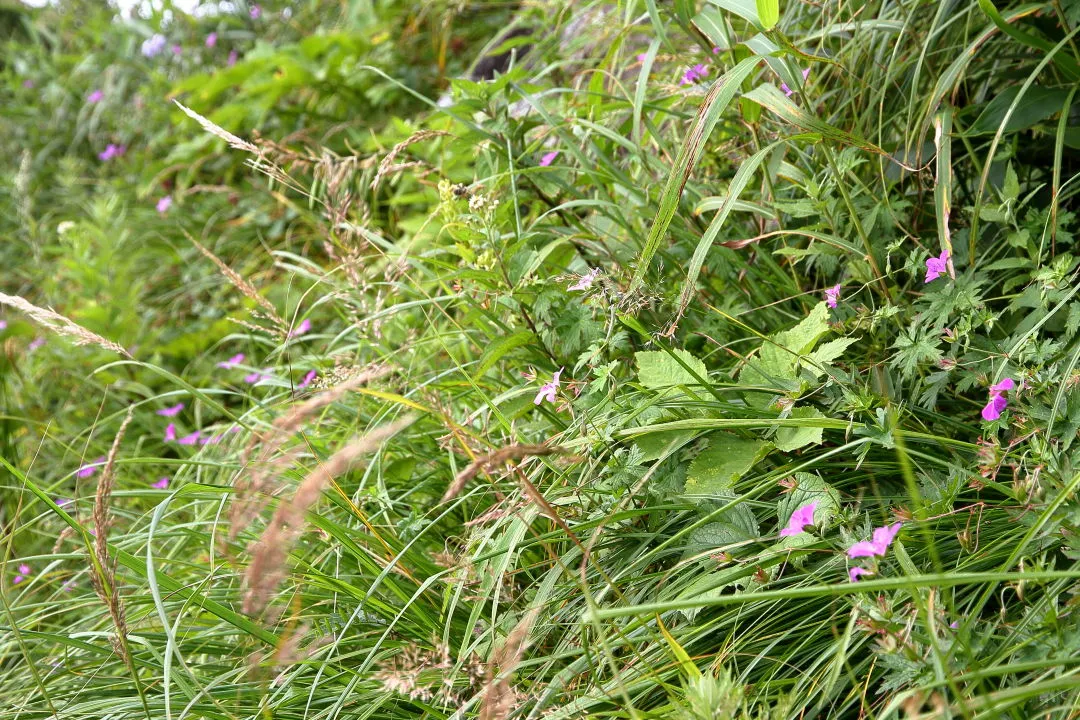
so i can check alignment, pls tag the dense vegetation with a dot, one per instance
(704, 359)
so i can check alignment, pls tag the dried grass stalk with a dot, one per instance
(213, 129)
(60, 324)
(249, 290)
(493, 460)
(267, 568)
(104, 577)
(499, 697)
(387, 164)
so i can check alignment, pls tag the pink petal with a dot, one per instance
(548, 158)
(863, 548)
(308, 379)
(90, 468)
(24, 569)
(190, 439)
(854, 573)
(1003, 386)
(883, 536)
(802, 517)
(170, 432)
(993, 408)
(302, 328)
(171, 411)
(232, 362)
(160, 484)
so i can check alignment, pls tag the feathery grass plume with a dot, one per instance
(243, 286)
(60, 324)
(499, 697)
(213, 129)
(267, 568)
(493, 460)
(251, 488)
(387, 165)
(104, 577)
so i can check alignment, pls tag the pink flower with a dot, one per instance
(716, 51)
(94, 97)
(3, 324)
(252, 378)
(62, 501)
(191, 439)
(232, 362)
(300, 329)
(28, 84)
(35, 343)
(854, 573)
(211, 40)
(164, 204)
(112, 151)
(997, 401)
(882, 539)
(694, 74)
(160, 484)
(641, 57)
(172, 411)
(832, 295)
(177, 50)
(935, 267)
(802, 517)
(548, 390)
(170, 432)
(24, 569)
(90, 468)
(548, 158)
(585, 281)
(308, 379)
(17, 579)
(788, 91)
(255, 12)
(232, 58)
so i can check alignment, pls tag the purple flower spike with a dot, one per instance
(854, 573)
(548, 158)
(832, 295)
(936, 267)
(548, 390)
(191, 439)
(172, 411)
(160, 484)
(232, 362)
(90, 468)
(802, 517)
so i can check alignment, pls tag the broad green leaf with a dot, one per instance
(793, 438)
(657, 369)
(1037, 105)
(768, 13)
(746, 9)
(824, 355)
(498, 349)
(802, 338)
(727, 458)
(655, 445)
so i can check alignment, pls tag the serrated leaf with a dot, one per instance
(793, 438)
(727, 458)
(829, 351)
(657, 369)
(776, 363)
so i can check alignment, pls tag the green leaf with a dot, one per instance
(793, 438)
(746, 9)
(495, 351)
(824, 355)
(1037, 105)
(727, 458)
(776, 363)
(768, 13)
(657, 369)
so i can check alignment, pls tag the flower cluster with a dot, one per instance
(876, 546)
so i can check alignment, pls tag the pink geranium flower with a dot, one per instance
(170, 432)
(90, 468)
(252, 378)
(255, 12)
(854, 573)
(308, 379)
(171, 411)
(936, 267)
(191, 439)
(548, 158)
(111, 151)
(788, 91)
(585, 281)
(878, 544)
(164, 204)
(548, 390)
(832, 295)
(697, 72)
(94, 97)
(211, 40)
(802, 517)
(232, 58)
(997, 402)
(300, 329)
(232, 362)
(160, 484)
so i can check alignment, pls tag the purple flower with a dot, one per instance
(954, 624)
(997, 401)
(788, 91)
(17, 579)
(548, 158)
(164, 204)
(585, 281)
(191, 439)
(308, 379)
(802, 517)
(24, 569)
(160, 484)
(94, 97)
(232, 58)
(35, 343)
(211, 40)
(935, 267)
(716, 51)
(300, 329)
(548, 390)
(3, 324)
(170, 432)
(254, 377)
(694, 74)
(153, 45)
(111, 151)
(90, 468)
(62, 501)
(232, 362)
(172, 411)
(641, 57)
(255, 12)
(854, 573)
(882, 539)
(177, 50)
(832, 295)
